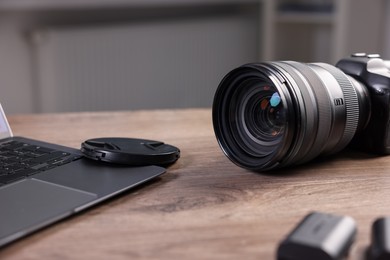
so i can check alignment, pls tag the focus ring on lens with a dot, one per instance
(351, 104)
(318, 125)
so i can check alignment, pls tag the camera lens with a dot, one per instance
(274, 114)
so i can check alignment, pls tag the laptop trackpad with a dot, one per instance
(35, 203)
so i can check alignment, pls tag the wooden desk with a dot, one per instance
(204, 207)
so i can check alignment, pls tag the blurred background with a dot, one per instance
(92, 55)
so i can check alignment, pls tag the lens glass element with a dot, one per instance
(260, 117)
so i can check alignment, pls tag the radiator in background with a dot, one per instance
(142, 65)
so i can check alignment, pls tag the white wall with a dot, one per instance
(23, 23)
(386, 33)
(38, 44)
(16, 93)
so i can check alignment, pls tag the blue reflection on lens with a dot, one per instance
(275, 99)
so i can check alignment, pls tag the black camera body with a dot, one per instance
(374, 73)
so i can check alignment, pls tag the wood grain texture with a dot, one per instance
(204, 207)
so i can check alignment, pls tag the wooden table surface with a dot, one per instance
(204, 207)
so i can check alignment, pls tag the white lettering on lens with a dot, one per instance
(338, 101)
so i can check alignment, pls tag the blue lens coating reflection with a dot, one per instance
(275, 99)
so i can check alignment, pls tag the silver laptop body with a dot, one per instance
(31, 202)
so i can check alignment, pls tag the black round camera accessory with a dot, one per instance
(129, 151)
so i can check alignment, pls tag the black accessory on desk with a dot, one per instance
(380, 240)
(129, 151)
(319, 236)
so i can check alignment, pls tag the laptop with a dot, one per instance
(41, 183)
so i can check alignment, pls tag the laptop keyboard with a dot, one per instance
(19, 160)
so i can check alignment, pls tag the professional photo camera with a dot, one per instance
(275, 114)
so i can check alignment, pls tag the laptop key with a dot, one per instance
(28, 171)
(13, 146)
(13, 167)
(30, 148)
(64, 160)
(12, 177)
(44, 150)
(40, 166)
(48, 157)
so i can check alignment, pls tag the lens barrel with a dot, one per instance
(274, 114)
